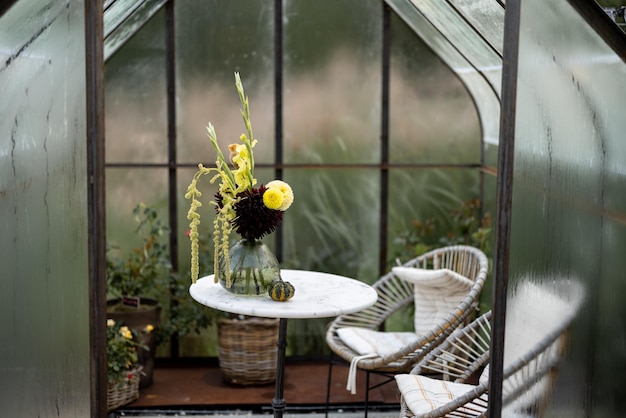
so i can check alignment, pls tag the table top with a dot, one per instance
(317, 295)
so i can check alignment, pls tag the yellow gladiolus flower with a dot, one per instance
(238, 155)
(241, 177)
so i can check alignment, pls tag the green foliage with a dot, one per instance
(146, 269)
(611, 3)
(468, 227)
(186, 315)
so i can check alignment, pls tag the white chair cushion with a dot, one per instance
(437, 293)
(366, 341)
(369, 343)
(533, 312)
(423, 394)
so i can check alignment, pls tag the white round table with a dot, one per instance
(317, 295)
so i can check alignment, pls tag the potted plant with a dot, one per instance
(141, 285)
(144, 270)
(133, 279)
(123, 369)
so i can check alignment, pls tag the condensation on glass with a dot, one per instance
(135, 105)
(44, 304)
(568, 216)
(332, 81)
(215, 38)
(433, 119)
(331, 115)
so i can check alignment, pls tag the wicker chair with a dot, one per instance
(394, 294)
(461, 362)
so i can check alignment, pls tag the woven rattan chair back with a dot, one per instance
(464, 356)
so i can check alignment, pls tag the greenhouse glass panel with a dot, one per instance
(486, 17)
(332, 81)
(136, 116)
(460, 33)
(130, 192)
(332, 227)
(125, 189)
(568, 212)
(215, 39)
(427, 197)
(330, 230)
(480, 72)
(44, 304)
(123, 18)
(432, 117)
(431, 208)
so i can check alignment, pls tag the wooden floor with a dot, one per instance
(202, 387)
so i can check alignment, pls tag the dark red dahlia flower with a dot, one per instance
(253, 219)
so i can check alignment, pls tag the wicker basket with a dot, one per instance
(124, 392)
(248, 349)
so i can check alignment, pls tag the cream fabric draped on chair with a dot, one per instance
(540, 315)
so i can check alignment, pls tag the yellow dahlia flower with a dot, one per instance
(273, 198)
(285, 189)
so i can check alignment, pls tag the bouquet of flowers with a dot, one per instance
(240, 205)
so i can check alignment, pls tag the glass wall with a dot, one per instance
(44, 298)
(331, 117)
(435, 135)
(569, 211)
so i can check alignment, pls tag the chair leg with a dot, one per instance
(367, 391)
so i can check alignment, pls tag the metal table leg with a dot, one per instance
(278, 403)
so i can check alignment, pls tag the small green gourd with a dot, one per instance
(281, 291)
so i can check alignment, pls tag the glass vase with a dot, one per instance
(253, 268)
